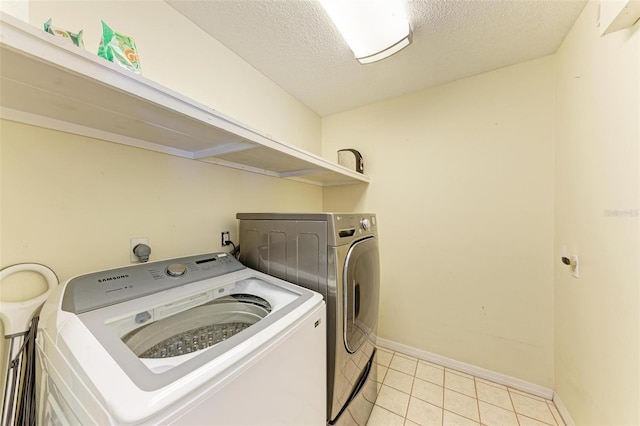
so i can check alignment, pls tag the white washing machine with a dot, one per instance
(196, 340)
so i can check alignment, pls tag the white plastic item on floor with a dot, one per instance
(16, 318)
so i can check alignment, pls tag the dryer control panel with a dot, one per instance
(99, 289)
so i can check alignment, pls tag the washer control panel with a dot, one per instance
(351, 226)
(99, 289)
(176, 269)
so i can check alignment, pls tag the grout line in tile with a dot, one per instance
(458, 373)
(489, 403)
(513, 407)
(465, 375)
(461, 415)
(424, 400)
(475, 388)
(431, 364)
(404, 372)
(400, 372)
(532, 418)
(350, 416)
(528, 395)
(443, 392)
(554, 410)
(389, 411)
(405, 356)
(490, 383)
(406, 408)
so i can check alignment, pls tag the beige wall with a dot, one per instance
(179, 55)
(73, 203)
(597, 317)
(462, 182)
(466, 182)
(171, 50)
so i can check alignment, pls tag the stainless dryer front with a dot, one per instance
(336, 255)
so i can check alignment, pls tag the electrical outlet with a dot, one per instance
(134, 242)
(224, 238)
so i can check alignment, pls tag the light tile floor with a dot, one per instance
(416, 392)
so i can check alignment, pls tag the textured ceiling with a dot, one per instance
(294, 44)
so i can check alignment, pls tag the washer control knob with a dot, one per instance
(364, 223)
(176, 269)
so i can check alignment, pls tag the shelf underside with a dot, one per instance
(91, 97)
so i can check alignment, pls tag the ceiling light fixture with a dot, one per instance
(373, 29)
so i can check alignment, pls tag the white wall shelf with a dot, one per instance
(616, 15)
(48, 82)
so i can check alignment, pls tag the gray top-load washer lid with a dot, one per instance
(99, 289)
(160, 329)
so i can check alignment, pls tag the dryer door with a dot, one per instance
(361, 289)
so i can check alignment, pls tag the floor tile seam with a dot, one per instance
(515, 415)
(406, 408)
(444, 369)
(459, 373)
(399, 390)
(494, 405)
(492, 384)
(534, 399)
(396, 389)
(441, 407)
(350, 416)
(405, 356)
(428, 381)
(527, 395)
(382, 366)
(513, 405)
(441, 384)
(475, 388)
(529, 417)
(460, 393)
(389, 411)
(551, 403)
(461, 377)
(413, 382)
(432, 383)
(400, 371)
(462, 415)
(484, 381)
(428, 402)
(555, 418)
(430, 364)
(533, 418)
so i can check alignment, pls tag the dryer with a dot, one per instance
(196, 340)
(336, 255)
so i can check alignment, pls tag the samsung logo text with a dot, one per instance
(114, 278)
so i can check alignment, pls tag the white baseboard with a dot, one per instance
(503, 379)
(562, 409)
